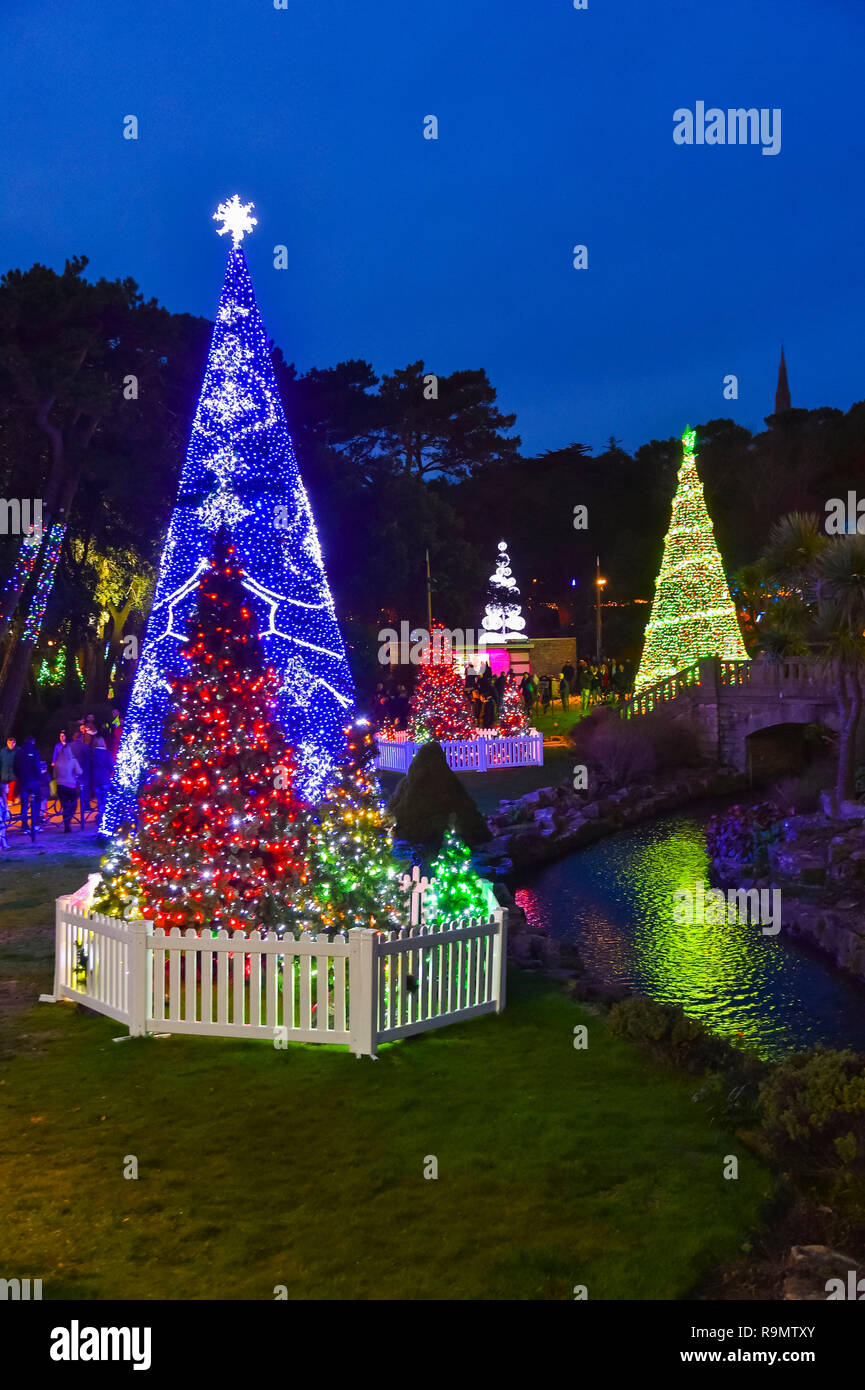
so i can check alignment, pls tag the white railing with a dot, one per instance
(480, 754)
(357, 988)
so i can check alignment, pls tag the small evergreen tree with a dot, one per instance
(354, 877)
(456, 891)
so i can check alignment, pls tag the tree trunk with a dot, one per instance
(14, 680)
(850, 707)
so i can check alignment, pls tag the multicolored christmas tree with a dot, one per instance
(221, 833)
(354, 878)
(240, 473)
(692, 614)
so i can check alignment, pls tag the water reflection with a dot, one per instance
(615, 901)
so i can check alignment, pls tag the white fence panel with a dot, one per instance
(356, 989)
(469, 755)
(262, 987)
(429, 978)
(93, 960)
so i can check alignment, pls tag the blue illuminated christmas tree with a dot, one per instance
(241, 473)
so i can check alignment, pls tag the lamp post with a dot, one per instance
(599, 584)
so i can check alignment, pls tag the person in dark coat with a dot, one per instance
(28, 775)
(527, 691)
(82, 752)
(101, 768)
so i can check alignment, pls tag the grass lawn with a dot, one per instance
(304, 1167)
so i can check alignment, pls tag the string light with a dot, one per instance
(241, 472)
(692, 613)
(503, 620)
(44, 583)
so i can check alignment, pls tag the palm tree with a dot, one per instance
(841, 624)
(820, 606)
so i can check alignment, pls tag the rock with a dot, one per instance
(809, 1269)
(429, 796)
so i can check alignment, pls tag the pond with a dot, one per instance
(614, 901)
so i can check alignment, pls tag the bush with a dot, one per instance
(675, 1037)
(800, 795)
(812, 1109)
(619, 751)
(744, 833)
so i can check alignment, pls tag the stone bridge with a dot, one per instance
(730, 701)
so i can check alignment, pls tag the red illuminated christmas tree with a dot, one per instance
(512, 715)
(221, 834)
(438, 706)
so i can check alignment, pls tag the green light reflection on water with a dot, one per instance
(711, 971)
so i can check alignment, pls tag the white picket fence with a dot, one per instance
(357, 988)
(481, 754)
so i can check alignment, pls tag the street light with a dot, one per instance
(599, 583)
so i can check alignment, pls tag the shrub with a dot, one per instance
(800, 795)
(619, 751)
(744, 833)
(675, 1037)
(812, 1108)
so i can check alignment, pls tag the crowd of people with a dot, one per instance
(78, 773)
(590, 683)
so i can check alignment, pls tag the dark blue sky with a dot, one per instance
(555, 128)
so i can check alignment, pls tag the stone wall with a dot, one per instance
(550, 654)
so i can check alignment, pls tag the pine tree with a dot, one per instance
(221, 835)
(354, 876)
(692, 613)
(457, 891)
(240, 473)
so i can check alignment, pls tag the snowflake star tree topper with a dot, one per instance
(235, 218)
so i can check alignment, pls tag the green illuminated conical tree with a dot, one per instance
(692, 612)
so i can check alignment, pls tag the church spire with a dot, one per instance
(782, 391)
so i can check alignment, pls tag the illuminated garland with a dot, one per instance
(693, 615)
(44, 583)
(240, 471)
(23, 567)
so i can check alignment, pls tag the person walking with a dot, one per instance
(546, 693)
(62, 740)
(569, 673)
(101, 768)
(28, 775)
(564, 692)
(527, 693)
(67, 774)
(81, 750)
(115, 734)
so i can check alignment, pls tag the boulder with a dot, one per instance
(431, 797)
(809, 1269)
